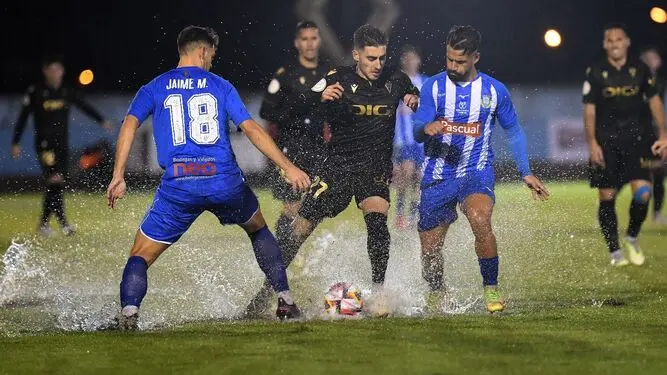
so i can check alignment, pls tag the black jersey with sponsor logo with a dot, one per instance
(619, 96)
(364, 119)
(289, 104)
(50, 108)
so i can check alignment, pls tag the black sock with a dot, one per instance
(432, 269)
(609, 224)
(289, 245)
(658, 194)
(47, 205)
(58, 206)
(638, 211)
(377, 242)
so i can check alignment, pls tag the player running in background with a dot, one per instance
(50, 102)
(408, 154)
(456, 118)
(360, 103)
(620, 136)
(651, 57)
(191, 108)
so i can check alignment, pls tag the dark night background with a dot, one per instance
(127, 43)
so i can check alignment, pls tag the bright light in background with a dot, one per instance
(658, 15)
(86, 77)
(552, 38)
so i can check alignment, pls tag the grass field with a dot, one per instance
(568, 311)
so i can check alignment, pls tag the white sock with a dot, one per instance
(129, 310)
(287, 296)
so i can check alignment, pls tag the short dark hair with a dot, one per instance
(465, 38)
(649, 48)
(369, 36)
(196, 34)
(52, 59)
(408, 48)
(302, 25)
(615, 25)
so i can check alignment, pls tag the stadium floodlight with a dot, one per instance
(552, 38)
(86, 77)
(658, 15)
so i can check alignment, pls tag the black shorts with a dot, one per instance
(332, 193)
(53, 161)
(622, 165)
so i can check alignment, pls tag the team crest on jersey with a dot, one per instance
(354, 87)
(274, 86)
(486, 101)
(633, 71)
(588, 70)
(605, 74)
(320, 86)
(302, 80)
(280, 71)
(388, 86)
(332, 71)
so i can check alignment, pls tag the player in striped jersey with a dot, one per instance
(456, 118)
(408, 154)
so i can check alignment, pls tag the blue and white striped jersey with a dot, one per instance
(404, 117)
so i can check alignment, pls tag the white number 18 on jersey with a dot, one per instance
(203, 114)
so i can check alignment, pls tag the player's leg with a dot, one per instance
(641, 194)
(375, 209)
(46, 159)
(399, 181)
(168, 218)
(658, 195)
(59, 199)
(283, 192)
(413, 181)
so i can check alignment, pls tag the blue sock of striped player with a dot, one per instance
(134, 285)
(488, 267)
(400, 201)
(269, 259)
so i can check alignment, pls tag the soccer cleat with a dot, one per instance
(258, 304)
(660, 219)
(494, 300)
(435, 301)
(68, 230)
(635, 254)
(287, 311)
(378, 304)
(127, 320)
(617, 259)
(44, 230)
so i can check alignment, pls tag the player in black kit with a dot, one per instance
(49, 102)
(360, 104)
(288, 106)
(620, 138)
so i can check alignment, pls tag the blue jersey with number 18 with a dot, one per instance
(191, 108)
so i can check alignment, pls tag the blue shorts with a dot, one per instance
(413, 152)
(439, 198)
(174, 210)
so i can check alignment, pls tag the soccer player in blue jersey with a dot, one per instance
(457, 114)
(191, 108)
(408, 154)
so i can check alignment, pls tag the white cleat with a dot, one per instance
(617, 259)
(69, 230)
(635, 254)
(45, 231)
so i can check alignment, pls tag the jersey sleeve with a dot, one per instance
(426, 112)
(591, 88)
(406, 85)
(27, 105)
(235, 107)
(509, 121)
(505, 112)
(649, 85)
(142, 105)
(84, 106)
(272, 108)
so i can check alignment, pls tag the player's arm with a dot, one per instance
(140, 109)
(590, 93)
(273, 104)
(658, 112)
(26, 109)
(91, 111)
(424, 125)
(409, 92)
(264, 143)
(516, 139)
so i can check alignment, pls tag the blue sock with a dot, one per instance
(489, 270)
(269, 259)
(135, 282)
(400, 201)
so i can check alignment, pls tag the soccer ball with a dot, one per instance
(343, 299)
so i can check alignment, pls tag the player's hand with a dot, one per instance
(108, 126)
(597, 157)
(16, 151)
(115, 191)
(297, 178)
(332, 92)
(412, 101)
(659, 148)
(435, 128)
(536, 186)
